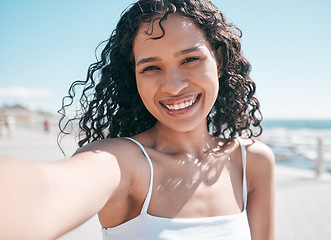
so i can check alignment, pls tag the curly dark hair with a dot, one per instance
(112, 107)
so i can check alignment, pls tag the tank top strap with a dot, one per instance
(243, 157)
(149, 193)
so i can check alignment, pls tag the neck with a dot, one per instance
(194, 142)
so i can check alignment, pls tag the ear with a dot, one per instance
(219, 58)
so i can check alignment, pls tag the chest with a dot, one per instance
(192, 189)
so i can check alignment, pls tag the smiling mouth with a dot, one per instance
(182, 104)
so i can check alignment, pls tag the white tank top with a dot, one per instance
(149, 227)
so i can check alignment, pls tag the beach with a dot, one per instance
(302, 200)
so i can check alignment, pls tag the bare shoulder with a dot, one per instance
(109, 146)
(120, 148)
(124, 152)
(260, 164)
(259, 154)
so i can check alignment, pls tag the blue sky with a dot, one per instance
(46, 45)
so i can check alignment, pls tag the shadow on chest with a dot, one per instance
(192, 187)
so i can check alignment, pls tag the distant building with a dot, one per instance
(24, 117)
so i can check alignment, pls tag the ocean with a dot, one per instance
(295, 142)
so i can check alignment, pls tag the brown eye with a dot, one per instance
(150, 68)
(190, 59)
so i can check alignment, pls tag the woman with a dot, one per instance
(173, 79)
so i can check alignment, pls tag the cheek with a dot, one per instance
(216, 83)
(146, 92)
(209, 78)
(141, 91)
(214, 87)
(211, 83)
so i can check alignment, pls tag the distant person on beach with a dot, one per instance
(2, 126)
(10, 124)
(46, 126)
(166, 151)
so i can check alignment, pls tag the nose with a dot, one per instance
(174, 81)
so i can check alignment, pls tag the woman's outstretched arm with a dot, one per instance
(46, 200)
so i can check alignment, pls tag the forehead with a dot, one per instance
(180, 32)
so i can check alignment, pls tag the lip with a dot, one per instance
(180, 112)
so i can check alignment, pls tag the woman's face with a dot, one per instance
(177, 75)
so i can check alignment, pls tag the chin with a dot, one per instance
(185, 126)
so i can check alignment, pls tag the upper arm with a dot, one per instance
(260, 179)
(83, 184)
(45, 200)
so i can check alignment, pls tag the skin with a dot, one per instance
(195, 175)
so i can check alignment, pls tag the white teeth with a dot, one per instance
(181, 105)
(176, 107)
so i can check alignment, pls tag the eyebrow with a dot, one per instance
(178, 54)
(147, 60)
(186, 51)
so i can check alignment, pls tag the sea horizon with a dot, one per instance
(297, 123)
(295, 142)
